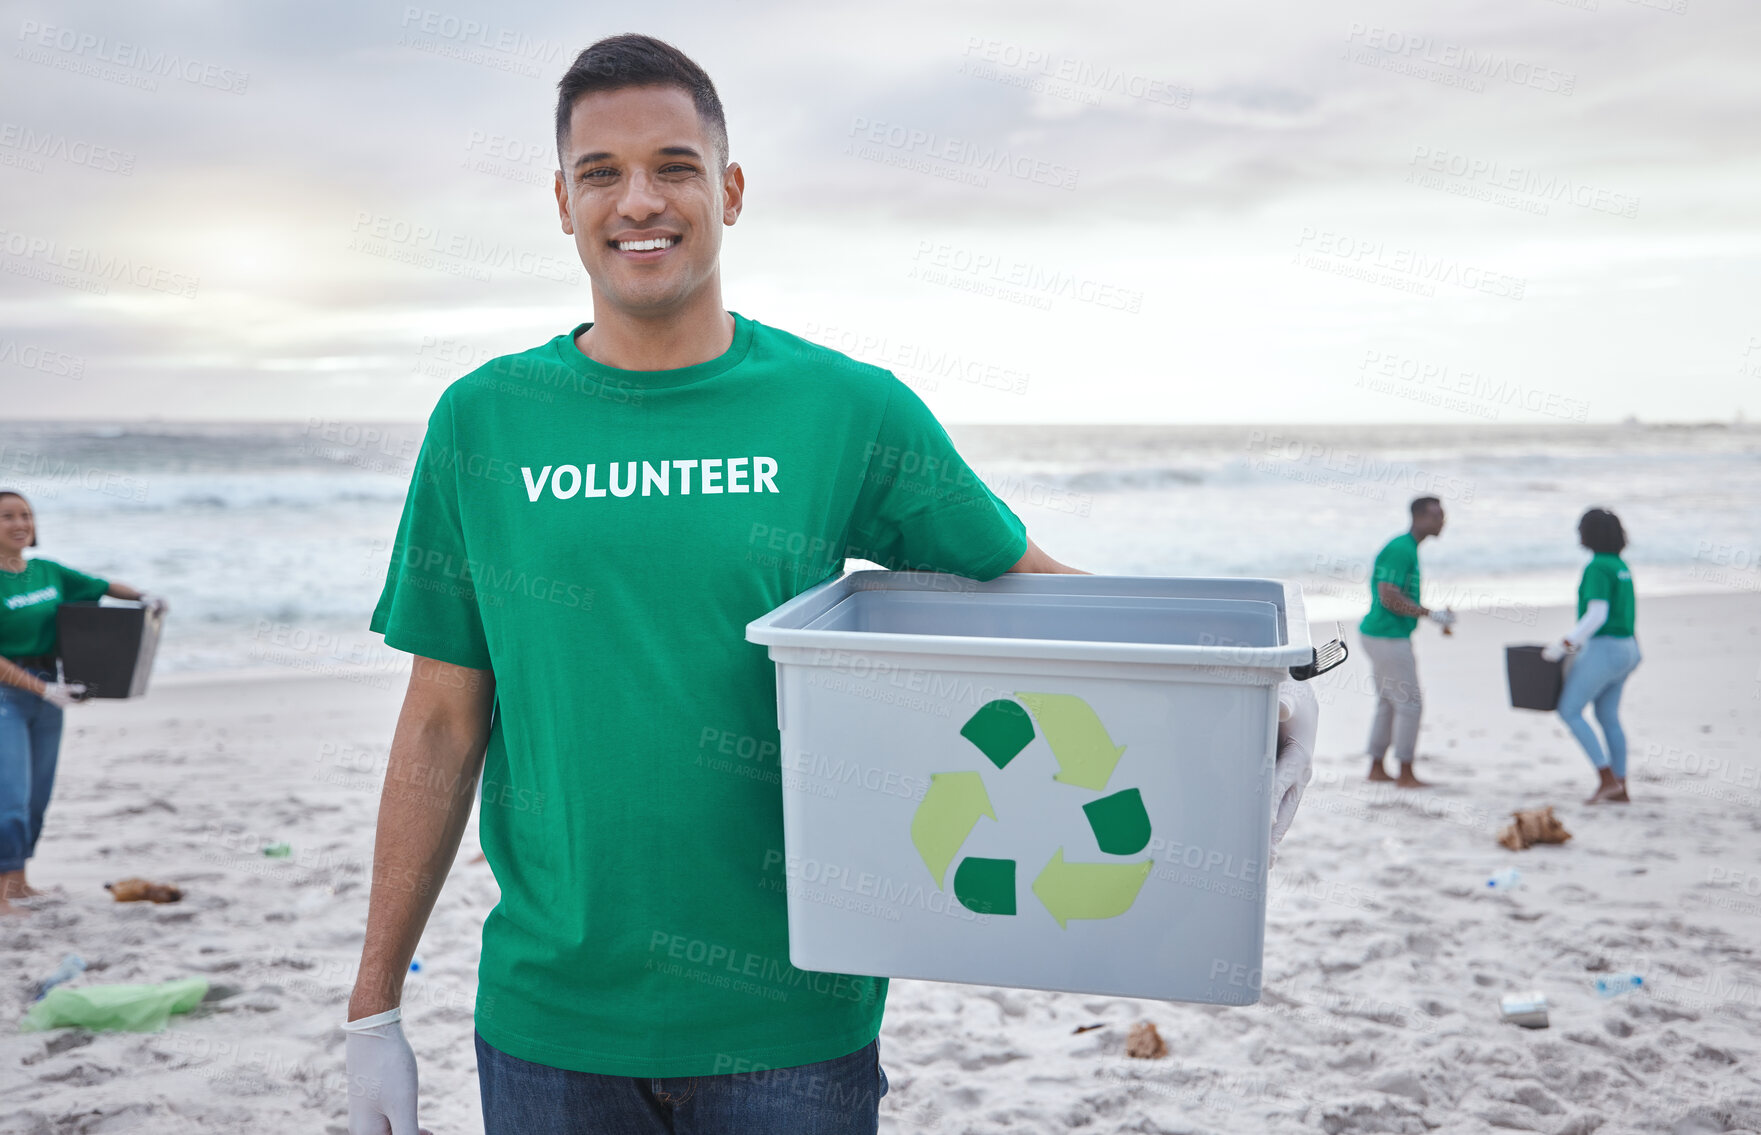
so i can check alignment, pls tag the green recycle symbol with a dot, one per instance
(955, 801)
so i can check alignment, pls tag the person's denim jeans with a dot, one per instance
(840, 1096)
(1597, 676)
(30, 740)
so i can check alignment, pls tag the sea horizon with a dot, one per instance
(268, 532)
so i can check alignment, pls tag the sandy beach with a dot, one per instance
(1386, 953)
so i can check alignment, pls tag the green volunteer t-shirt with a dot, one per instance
(1396, 563)
(600, 538)
(28, 600)
(1607, 577)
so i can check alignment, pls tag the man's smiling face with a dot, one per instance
(641, 194)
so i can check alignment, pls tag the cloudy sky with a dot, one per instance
(1523, 211)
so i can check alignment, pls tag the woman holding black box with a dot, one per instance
(1606, 652)
(31, 694)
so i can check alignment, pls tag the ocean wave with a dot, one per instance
(90, 490)
(1143, 477)
(274, 500)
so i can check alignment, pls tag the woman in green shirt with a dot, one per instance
(31, 697)
(1606, 652)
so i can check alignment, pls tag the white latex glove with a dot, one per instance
(1299, 715)
(63, 694)
(381, 1076)
(1557, 649)
(155, 604)
(1443, 618)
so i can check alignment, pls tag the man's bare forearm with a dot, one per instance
(1395, 601)
(1036, 560)
(430, 779)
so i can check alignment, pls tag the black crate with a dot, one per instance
(1534, 681)
(109, 649)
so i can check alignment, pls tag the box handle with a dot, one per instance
(1326, 656)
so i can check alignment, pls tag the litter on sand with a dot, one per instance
(71, 967)
(1536, 825)
(128, 1008)
(1526, 1009)
(1614, 984)
(141, 890)
(1144, 1042)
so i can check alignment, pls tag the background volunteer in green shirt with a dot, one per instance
(1605, 649)
(585, 563)
(31, 697)
(1387, 639)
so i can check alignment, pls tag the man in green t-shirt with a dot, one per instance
(590, 526)
(1394, 613)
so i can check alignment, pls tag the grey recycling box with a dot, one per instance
(1044, 781)
(108, 648)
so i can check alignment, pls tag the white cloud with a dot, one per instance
(1203, 144)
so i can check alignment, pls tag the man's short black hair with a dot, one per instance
(1420, 504)
(630, 60)
(1601, 532)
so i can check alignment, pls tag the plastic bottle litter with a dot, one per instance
(1528, 1009)
(71, 966)
(1614, 984)
(131, 1008)
(278, 851)
(1505, 880)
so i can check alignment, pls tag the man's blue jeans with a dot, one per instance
(840, 1096)
(30, 740)
(1597, 677)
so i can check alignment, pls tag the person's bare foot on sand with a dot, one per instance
(13, 886)
(7, 909)
(1378, 771)
(1611, 790)
(1407, 780)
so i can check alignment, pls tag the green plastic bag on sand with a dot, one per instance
(131, 1008)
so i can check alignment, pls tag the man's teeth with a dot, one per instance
(647, 245)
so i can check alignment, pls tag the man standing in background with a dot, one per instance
(1387, 640)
